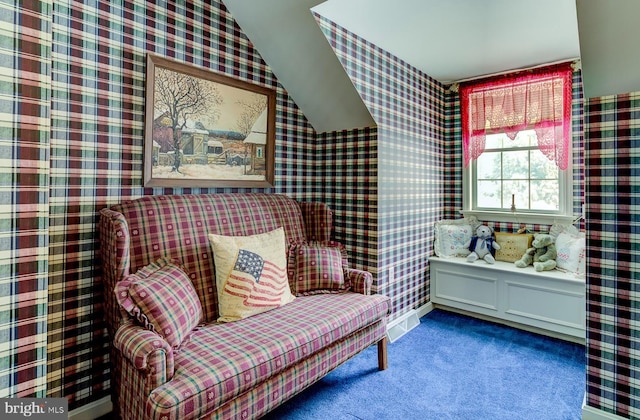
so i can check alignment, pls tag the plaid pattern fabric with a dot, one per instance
(133, 384)
(361, 281)
(113, 233)
(147, 352)
(273, 392)
(177, 227)
(318, 219)
(161, 298)
(316, 268)
(114, 251)
(74, 145)
(216, 366)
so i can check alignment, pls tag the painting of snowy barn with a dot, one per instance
(204, 129)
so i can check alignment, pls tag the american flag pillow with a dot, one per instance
(161, 298)
(251, 274)
(317, 268)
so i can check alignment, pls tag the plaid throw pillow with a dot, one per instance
(251, 274)
(161, 298)
(317, 268)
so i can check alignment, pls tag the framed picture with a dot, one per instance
(204, 129)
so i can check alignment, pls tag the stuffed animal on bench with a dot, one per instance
(542, 254)
(482, 245)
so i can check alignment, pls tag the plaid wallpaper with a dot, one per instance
(409, 109)
(452, 171)
(347, 181)
(97, 118)
(72, 142)
(613, 243)
(25, 30)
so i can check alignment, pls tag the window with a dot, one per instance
(514, 175)
(517, 147)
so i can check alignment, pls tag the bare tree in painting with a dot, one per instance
(180, 98)
(251, 111)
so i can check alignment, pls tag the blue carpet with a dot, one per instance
(452, 367)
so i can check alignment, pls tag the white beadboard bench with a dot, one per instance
(549, 302)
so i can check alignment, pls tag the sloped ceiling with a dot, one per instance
(291, 43)
(448, 40)
(610, 45)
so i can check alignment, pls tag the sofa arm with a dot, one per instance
(146, 351)
(361, 281)
(113, 232)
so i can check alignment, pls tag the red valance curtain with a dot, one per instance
(538, 99)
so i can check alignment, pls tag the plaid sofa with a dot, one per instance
(241, 369)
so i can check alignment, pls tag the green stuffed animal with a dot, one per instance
(542, 254)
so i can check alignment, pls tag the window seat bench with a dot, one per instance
(549, 302)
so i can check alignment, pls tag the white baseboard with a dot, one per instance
(592, 413)
(425, 309)
(92, 410)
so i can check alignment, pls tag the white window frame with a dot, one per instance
(564, 214)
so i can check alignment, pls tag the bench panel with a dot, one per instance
(551, 302)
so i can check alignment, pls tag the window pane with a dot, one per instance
(522, 139)
(488, 165)
(533, 138)
(544, 195)
(542, 167)
(494, 141)
(489, 194)
(515, 165)
(520, 192)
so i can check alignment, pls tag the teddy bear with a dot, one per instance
(482, 245)
(542, 254)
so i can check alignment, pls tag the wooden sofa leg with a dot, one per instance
(382, 354)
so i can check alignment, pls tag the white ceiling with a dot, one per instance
(448, 40)
(459, 39)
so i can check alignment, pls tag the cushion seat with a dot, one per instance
(220, 361)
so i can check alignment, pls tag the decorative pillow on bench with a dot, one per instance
(317, 268)
(161, 297)
(512, 245)
(570, 244)
(251, 274)
(450, 236)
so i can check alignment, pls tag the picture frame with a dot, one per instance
(204, 129)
